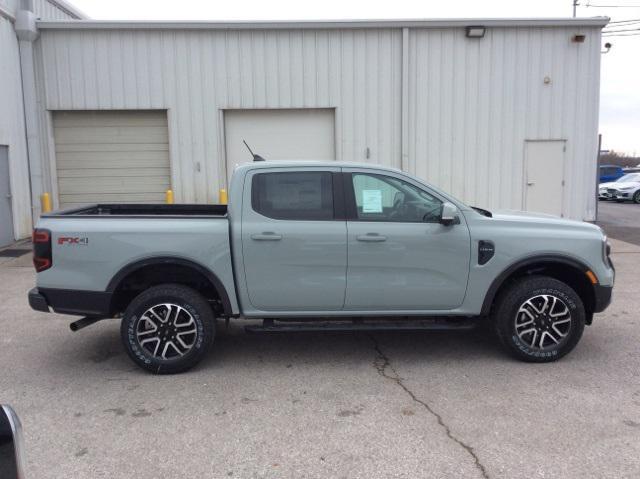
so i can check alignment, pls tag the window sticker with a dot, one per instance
(372, 201)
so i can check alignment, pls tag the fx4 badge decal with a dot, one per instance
(73, 240)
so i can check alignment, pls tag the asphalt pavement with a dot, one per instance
(620, 220)
(400, 405)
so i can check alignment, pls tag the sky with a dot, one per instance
(620, 80)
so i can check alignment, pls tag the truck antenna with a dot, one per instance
(255, 157)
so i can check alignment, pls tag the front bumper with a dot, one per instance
(618, 195)
(602, 296)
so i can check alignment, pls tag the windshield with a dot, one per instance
(629, 177)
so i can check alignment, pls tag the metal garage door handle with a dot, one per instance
(266, 236)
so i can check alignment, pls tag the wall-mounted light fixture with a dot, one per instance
(607, 47)
(475, 31)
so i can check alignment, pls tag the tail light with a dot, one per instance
(41, 249)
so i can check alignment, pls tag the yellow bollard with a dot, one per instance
(222, 196)
(169, 197)
(45, 202)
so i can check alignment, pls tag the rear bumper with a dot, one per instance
(603, 296)
(67, 301)
(37, 301)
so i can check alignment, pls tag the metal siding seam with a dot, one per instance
(404, 92)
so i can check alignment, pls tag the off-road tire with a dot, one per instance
(192, 304)
(506, 312)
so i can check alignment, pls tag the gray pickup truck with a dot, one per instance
(308, 246)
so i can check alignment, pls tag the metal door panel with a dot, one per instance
(292, 265)
(6, 216)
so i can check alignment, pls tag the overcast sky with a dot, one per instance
(620, 84)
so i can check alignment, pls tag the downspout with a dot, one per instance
(27, 33)
(404, 106)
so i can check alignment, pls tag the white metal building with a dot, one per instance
(122, 111)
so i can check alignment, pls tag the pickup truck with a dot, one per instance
(320, 245)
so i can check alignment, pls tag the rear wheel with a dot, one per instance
(539, 319)
(168, 329)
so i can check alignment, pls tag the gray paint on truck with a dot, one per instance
(307, 276)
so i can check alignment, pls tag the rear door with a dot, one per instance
(400, 257)
(294, 239)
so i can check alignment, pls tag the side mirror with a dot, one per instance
(10, 444)
(449, 214)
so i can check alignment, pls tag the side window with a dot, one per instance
(293, 195)
(384, 198)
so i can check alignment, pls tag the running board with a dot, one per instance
(269, 326)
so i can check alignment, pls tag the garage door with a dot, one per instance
(279, 134)
(115, 156)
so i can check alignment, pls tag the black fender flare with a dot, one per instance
(171, 260)
(524, 262)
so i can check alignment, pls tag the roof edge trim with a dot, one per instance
(323, 24)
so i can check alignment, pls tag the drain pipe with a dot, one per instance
(27, 32)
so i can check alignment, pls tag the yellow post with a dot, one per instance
(169, 197)
(45, 202)
(222, 196)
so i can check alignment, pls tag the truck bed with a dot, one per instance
(180, 210)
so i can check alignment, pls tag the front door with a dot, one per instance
(294, 245)
(544, 176)
(400, 257)
(6, 217)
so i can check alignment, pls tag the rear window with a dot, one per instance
(293, 195)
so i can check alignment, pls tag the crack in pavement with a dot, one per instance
(382, 364)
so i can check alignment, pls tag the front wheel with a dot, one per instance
(636, 197)
(168, 329)
(539, 319)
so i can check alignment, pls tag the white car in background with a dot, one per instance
(623, 189)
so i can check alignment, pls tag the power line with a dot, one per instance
(635, 20)
(628, 33)
(610, 6)
(621, 31)
(637, 34)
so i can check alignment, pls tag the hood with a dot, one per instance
(542, 218)
(621, 184)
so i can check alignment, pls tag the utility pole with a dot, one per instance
(575, 4)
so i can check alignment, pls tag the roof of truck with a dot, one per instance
(313, 164)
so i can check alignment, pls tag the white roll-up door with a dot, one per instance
(279, 134)
(111, 156)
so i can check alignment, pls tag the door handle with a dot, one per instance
(371, 238)
(530, 183)
(266, 236)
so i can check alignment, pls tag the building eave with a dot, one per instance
(323, 24)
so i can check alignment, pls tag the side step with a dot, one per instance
(269, 326)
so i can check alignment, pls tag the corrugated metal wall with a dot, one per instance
(42, 8)
(12, 131)
(195, 74)
(471, 102)
(12, 126)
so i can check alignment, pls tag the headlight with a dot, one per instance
(625, 188)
